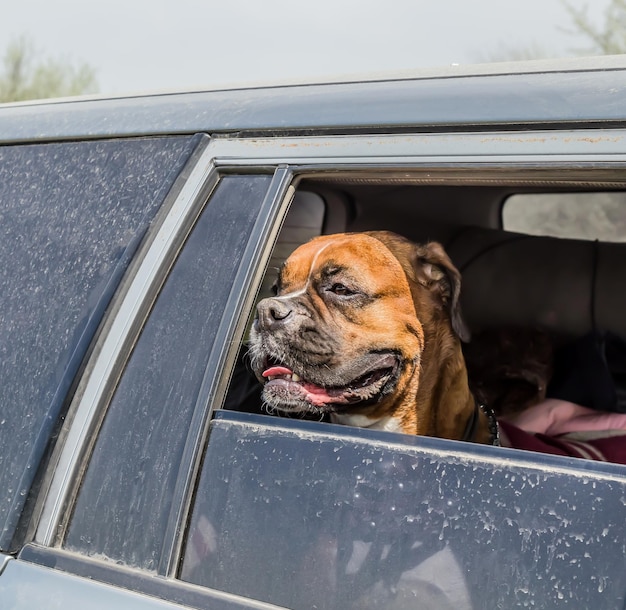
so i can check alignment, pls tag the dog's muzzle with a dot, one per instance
(301, 367)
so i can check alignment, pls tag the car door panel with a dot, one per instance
(307, 514)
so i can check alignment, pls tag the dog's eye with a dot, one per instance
(274, 289)
(341, 290)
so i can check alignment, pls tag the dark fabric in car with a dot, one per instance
(566, 287)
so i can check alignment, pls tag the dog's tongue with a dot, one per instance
(284, 386)
(275, 371)
(315, 394)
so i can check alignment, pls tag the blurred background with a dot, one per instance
(52, 48)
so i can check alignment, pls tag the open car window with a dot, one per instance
(305, 514)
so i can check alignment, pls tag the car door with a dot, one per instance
(159, 490)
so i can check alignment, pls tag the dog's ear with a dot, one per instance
(435, 270)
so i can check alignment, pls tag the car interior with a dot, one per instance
(541, 264)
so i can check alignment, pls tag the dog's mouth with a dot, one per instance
(286, 390)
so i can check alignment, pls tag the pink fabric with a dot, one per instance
(564, 428)
(607, 446)
(554, 417)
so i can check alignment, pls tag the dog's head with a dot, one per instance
(345, 332)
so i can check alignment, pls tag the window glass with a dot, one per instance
(124, 502)
(310, 515)
(71, 216)
(600, 216)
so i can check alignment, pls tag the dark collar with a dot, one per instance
(472, 424)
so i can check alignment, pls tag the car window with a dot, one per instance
(306, 515)
(71, 216)
(124, 503)
(589, 216)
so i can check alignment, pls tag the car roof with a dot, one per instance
(510, 95)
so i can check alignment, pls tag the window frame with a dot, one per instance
(132, 306)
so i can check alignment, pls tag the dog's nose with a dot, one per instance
(272, 313)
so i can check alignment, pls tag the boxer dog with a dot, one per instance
(366, 329)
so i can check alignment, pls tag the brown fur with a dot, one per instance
(444, 400)
(412, 310)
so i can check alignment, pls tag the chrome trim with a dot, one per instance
(113, 346)
(4, 560)
(542, 148)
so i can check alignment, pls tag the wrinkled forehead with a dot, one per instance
(357, 255)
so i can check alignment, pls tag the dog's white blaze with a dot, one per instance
(297, 293)
(387, 423)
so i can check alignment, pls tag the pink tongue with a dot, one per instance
(315, 394)
(275, 371)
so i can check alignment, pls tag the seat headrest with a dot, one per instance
(563, 286)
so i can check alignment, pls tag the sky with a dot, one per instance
(152, 45)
